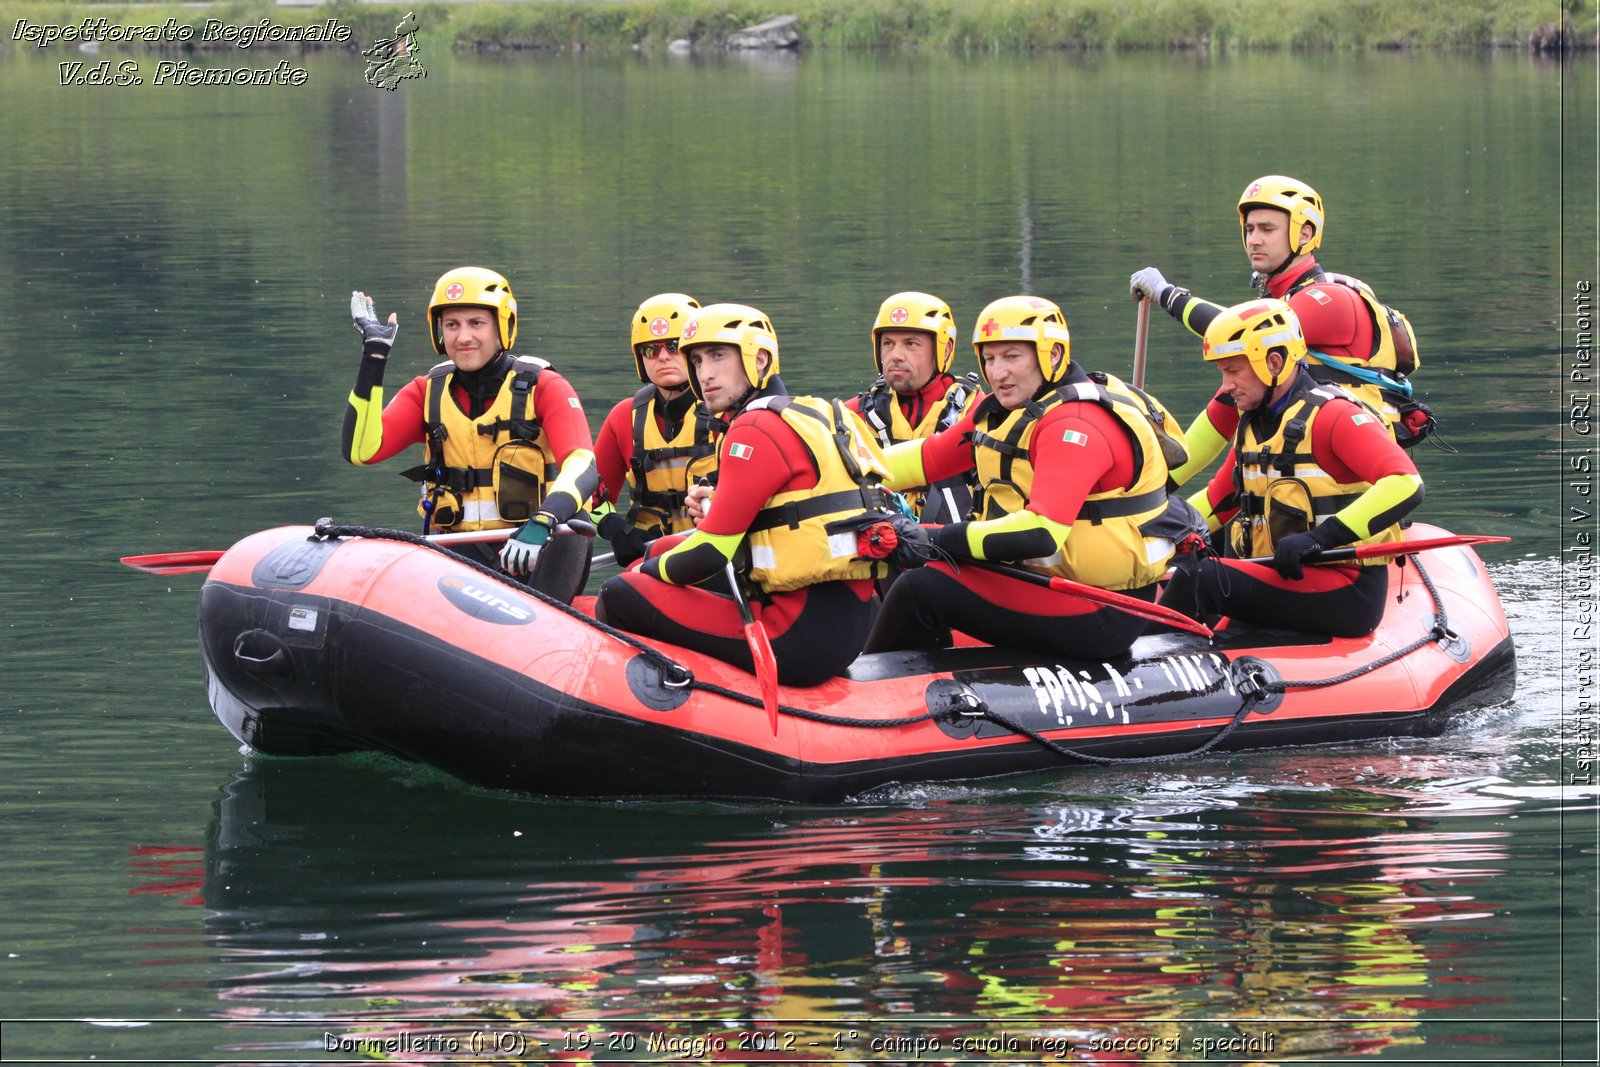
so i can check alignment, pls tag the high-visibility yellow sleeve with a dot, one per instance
(1204, 444)
(367, 437)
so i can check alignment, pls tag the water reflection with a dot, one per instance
(344, 896)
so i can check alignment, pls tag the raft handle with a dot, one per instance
(263, 657)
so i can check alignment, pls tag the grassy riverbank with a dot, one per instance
(950, 25)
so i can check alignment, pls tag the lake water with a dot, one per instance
(178, 262)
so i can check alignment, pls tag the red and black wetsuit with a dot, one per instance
(1076, 449)
(613, 454)
(1333, 318)
(816, 631)
(1339, 601)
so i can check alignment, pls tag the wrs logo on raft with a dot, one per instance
(484, 604)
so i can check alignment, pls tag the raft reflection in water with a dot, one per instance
(353, 897)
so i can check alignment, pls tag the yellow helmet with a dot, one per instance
(733, 324)
(918, 311)
(660, 318)
(1298, 199)
(1254, 330)
(1025, 318)
(474, 287)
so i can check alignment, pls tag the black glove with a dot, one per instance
(1289, 556)
(376, 337)
(627, 540)
(914, 547)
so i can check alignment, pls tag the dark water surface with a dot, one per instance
(178, 263)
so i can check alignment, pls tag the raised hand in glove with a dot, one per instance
(521, 552)
(376, 337)
(1147, 284)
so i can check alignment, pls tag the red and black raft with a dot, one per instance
(317, 645)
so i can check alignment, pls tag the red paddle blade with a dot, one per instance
(1142, 609)
(766, 664)
(174, 562)
(1401, 548)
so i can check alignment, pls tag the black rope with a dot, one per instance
(1441, 632)
(1250, 701)
(670, 668)
(1255, 691)
(677, 676)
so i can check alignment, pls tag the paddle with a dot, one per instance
(1395, 548)
(198, 562)
(765, 660)
(1141, 341)
(1132, 605)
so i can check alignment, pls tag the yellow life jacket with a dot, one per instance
(1117, 539)
(662, 469)
(1379, 381)
(802, 537)
(880, 410)
(1280, 488)
(489, 472)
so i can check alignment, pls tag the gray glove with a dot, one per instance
(1147, 283)
(521, 552)
(376, 337)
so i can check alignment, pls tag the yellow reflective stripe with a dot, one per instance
(1020, 521)
(1202, 503)
(368, 437)
(904, 461)
(726, 544)
(579, 461)
(1390, 491)
(1204, 443)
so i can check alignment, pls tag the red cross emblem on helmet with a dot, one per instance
(454, 292)
(1255, 187)
(658, 326)
(899, 315)
(990, 327)
(691, 329)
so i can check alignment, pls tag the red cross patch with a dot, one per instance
(658, 326)
(990, 327)
(1255, 187)
(899, 315)
(454, 292)
(691, 329)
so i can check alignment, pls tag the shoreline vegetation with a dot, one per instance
(955, 26)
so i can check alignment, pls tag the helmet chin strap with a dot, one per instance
(1261, 281)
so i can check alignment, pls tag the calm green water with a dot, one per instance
(178, 263)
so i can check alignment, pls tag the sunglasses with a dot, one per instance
(656, 349)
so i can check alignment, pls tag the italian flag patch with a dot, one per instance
(1073, 437)
(1362, 419)
(741, 451)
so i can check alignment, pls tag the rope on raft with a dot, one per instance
(675, 675)
(1254, 688)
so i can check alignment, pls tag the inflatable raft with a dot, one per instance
(317, 644)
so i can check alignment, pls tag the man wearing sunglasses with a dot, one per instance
(659, 441)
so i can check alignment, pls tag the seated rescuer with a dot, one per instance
(795, 479)
(505, 438)
(1310, 469)
(915, 395)
(659, 441)
(1072, 481)
(1353, 340)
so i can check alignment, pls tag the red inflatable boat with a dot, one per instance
(316, 645)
